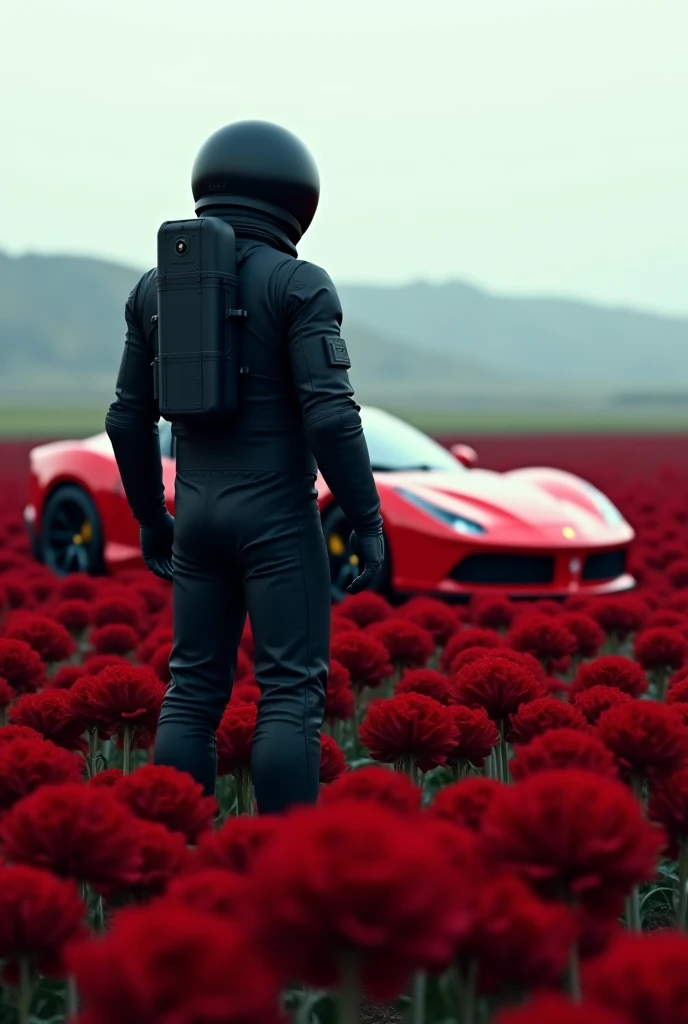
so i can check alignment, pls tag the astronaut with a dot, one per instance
(247, 535)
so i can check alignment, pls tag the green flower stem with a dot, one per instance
(92, 752)
(573, 974)
(465, 984)
(682, 900)
(349, 993)
(243, 791)
(408, 767)
(126, 749)
(419, 987)
(24, 993)
(72, 998)
(503, 753)
(633, 910)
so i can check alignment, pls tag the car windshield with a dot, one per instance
(396, 446)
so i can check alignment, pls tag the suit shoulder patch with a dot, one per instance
(337, 353)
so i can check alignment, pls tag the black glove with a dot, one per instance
(156, 545)
(369, 548)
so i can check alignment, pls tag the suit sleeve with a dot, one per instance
(319, 365)
(132, 419)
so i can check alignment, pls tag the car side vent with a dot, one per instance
(604, 565)
(505, 569)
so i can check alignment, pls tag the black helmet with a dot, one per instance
(261, 166)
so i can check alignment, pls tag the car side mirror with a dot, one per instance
(464, 454)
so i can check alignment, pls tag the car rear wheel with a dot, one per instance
(71, 538)
(343, 563)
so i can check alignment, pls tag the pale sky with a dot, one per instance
(529, 146)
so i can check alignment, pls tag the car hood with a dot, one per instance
(493, 499)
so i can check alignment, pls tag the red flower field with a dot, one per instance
(504, 798)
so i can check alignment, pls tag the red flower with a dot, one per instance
(119, 697)
(117, 638)
(570, 831)
(107, 778)
(332, 759)
(9, 733)
(76, 831)
(541, 715)
(678, 692)
(543, 636)
(95, 663)
(79, 586)
(21, 666)
(247, 642)
(612, 670)
(162, 856)
(340, 624)
(409, 727)
(170, 797)
(167, 962)
(426, 681)
(365, 658)
(376, 784)
(152, 643)
(236, 844)
(432, 615)
(129, 611)
(244, 666)
(39, 916)
(468, 638)
(153, 596)
(246, 692)
(47, 638)
(211, 890)
(26, 764)
(667, 617)
(75, 615)
(365, 608)
(235, 738)
(473, 654)
(50, 713)
(66, 676)
(661, 647)
(669, 806)
(678, 573)
(496, 684)
(492, 612)
(6, 694)
(339, 704)
(589, 636)
(517, 939)
(464, 803)
(160, 662)
(620, 616)
(477, 735)
(554, 1009)
(562, 748)
(645, 736)
(408, 644)
(594, 701)
(353, 878)
(642, 976)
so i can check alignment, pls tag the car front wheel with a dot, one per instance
(71, 536)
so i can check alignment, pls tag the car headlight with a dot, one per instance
(467, 527)
(604, 506)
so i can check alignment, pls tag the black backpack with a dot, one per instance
(197, 364)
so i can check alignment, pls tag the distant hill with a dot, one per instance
(530, 339)
(62, 328)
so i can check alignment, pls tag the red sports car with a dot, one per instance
(450, 529)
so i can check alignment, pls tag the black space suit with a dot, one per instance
(247, 531)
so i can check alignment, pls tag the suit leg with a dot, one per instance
(209, 615)
(287, 585)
